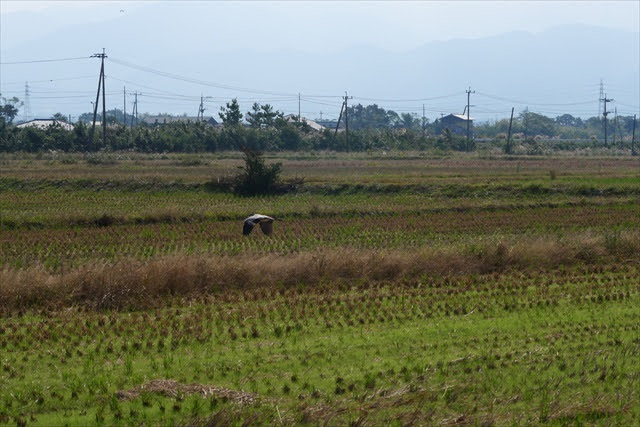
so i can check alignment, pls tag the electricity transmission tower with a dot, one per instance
(600, 98)
(104, 107)
(27, 102)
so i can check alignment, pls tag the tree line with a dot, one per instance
(265, 129)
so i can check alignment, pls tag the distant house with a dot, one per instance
(162, 119)
(312, 124)
(457, 123)
(45, 123)
(99, 124)
(331, 124)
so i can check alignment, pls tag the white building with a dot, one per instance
(45, 123)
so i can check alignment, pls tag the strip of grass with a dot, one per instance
(501, 349)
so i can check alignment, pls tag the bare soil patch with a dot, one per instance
(171, 388)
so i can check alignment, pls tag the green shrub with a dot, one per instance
(256, 177)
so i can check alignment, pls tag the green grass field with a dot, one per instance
(395, 290)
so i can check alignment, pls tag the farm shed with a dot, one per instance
(457, 123)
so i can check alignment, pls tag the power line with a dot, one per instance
(44, 60)
(67, 96)
(320, 102)
(145, 87)
(49, 80)
(288, 98)
(196, 81)
(410, 100)
(532, 103)
(628, 105)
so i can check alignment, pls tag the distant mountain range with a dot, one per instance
(551, 72)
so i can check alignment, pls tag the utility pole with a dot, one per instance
(617, 129)
(346, 116)
(299, 107)
(124, 109)
(201, 108)
(134, 111)
(633, 138)
(615, 126)
(95, 108)
(469, 92)
(423, 121)
(339, 118)
(605, 113)
(509, 134)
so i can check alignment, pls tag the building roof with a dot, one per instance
(312, 124)
(45, 123)
(172, 119)
(459, 116)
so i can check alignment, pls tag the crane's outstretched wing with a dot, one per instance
(266, 226)
(248, 226)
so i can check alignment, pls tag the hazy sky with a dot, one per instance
(161, 34)
(328, 25)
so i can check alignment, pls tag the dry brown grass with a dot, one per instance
(173, 388)
(133, 283)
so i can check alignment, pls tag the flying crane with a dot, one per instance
(266, 224)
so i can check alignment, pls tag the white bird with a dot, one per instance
(266, 224)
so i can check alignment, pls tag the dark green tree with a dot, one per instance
(569, 120)
(255, 177)
(231, 114)
(254, 116)
(269, 115)
(537, 124)
(60, 117)
(9, 108)
(410, 121)
(263, 116)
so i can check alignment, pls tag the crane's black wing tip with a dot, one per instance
(246, 229)
(267, 227)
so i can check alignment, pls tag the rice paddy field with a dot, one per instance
(401, 289)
